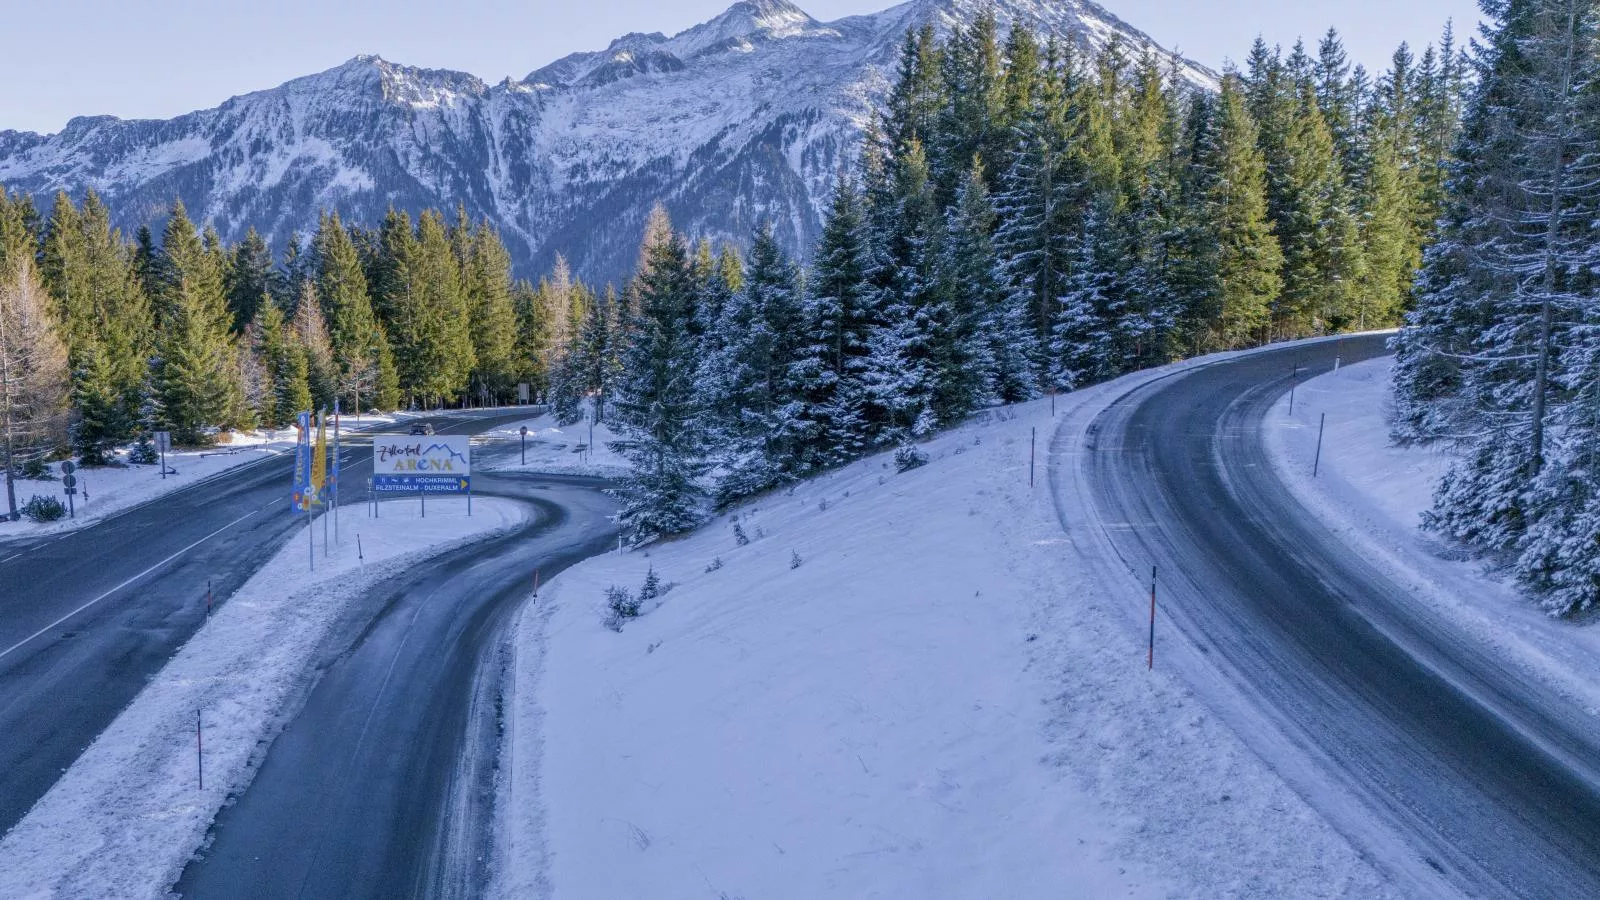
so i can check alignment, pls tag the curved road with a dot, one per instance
(382, 785)
(86, 619)
(1494, 780)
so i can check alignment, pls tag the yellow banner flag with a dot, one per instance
(319, 459)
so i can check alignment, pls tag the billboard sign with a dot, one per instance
(431, 464)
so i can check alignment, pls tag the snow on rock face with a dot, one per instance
(748, 116)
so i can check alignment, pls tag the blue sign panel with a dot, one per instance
(422, 484)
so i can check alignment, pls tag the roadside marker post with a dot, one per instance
(1150, 662)
(163, 442)
(199, 751)
(535, 583)
(208, 599)
(1321, 427)
(1294, 383)
(1033, 443)
(524, 445)
(361, 559)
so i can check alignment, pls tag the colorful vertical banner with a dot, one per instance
(333, 469)
(301, 501)
(319, 461)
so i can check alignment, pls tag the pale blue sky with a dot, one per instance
(160, 58)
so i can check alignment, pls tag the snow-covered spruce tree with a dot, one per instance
(656, 409)
(836, 324)
(597, 357)
(1036, 204)
(982, 352)
(1101, 317)
(751, 398)
(1494, 355)
(899, 374)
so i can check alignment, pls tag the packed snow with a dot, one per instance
(579, 449)
(126, 817)
(905, 685)
(105, 491)
(1373, 494)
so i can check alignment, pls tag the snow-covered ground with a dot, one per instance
(944, 699)
(579, 449)
(1373, 494)
(112, 489)
(107, 490)
(126, 817)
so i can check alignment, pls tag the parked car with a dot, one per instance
(421, 428)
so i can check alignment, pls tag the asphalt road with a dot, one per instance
(88, 618)
(1494, 781)
(382, 785)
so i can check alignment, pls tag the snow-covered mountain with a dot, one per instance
(748, 116)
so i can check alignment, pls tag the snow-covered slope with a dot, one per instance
(747, 116)
(927, 684)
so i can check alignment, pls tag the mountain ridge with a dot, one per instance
(747, 116)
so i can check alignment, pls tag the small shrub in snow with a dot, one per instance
(715, 565)
(823, 505)
(760, 532)
(144, 452)
(794, 560)
(621, 606)
(908, 458)
(652, 586)
(37, 469)
(739, 537)
(44, 509)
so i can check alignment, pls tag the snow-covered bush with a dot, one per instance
(651, 588)
(621, 606)
(44, 509)
(908, 458)
(144, 452)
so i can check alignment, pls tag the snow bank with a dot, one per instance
(112, 489)
(125, 818)
(105, 491)
(562, 450)
(1373, 494)
(943, 700)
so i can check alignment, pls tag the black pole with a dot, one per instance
(1033, 441)
(199, 751)
(1321, 426)
(1151, 662)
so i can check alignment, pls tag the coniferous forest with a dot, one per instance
(1022, 218)
(1501, 354)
